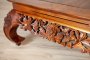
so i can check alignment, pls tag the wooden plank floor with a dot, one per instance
(34, 47)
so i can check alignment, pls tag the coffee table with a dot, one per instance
(66, 22)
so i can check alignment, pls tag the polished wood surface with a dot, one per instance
(80, 8)
(84, 4)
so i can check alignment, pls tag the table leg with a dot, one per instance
(10, 27)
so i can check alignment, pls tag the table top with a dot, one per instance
(79, 8)
(74, 3)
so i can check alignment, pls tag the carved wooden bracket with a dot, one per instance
(52, 31)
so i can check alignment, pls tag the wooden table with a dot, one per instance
(61, 21)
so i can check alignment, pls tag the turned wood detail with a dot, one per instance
(52, 31)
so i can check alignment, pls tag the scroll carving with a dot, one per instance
(52, 31)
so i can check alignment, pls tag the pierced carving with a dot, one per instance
(52, 31)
